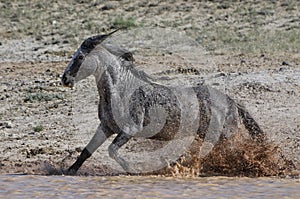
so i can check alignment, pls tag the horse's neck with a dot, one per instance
(114, 74)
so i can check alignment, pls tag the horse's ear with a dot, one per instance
(90, 43)
(128, 56)
(100, 38)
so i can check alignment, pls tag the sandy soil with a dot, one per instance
(248, 50)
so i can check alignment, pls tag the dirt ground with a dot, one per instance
(250, 50)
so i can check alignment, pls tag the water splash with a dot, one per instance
(237, 156)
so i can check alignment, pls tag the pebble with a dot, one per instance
(6, 124)
(221, 74)
(284, 63)
(40, 81)
(282, 69)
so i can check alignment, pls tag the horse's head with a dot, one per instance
(82, 65)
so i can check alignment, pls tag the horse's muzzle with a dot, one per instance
(67, 81)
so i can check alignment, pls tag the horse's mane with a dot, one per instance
(119, 52)
(126, 58)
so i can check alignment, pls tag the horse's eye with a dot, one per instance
(80, 56)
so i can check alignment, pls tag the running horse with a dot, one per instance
(133, 104)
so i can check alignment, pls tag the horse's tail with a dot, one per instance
(251, 125)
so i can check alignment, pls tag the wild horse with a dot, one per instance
(132, 104)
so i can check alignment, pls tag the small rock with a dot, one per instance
(39, 38)
(39, 81)
(78, 149)
(152, 4)
(187, 26)
(18, 164)
(6, 124)
(282, 69)
(108, 7)
(129, 9)
(55, 42)
(221, 74)
(284, 63)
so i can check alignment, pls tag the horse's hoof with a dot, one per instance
(69, 172)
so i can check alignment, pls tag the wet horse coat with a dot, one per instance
(132, 104)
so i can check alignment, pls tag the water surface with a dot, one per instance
(35, 186)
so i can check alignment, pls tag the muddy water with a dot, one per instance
(28, 186)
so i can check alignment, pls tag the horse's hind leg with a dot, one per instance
(251, 125)
(97, 140)
(121, 139)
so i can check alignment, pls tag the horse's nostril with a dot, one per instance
(67, 81)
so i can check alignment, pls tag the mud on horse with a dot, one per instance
(130, 99)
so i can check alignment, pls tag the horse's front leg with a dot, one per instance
(97, 140)
(121, 139)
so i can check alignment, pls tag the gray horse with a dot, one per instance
(132, 104)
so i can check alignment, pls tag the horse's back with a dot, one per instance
(181, 106)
